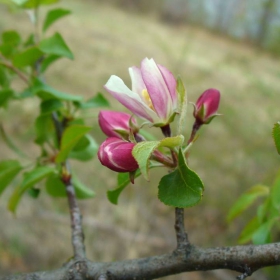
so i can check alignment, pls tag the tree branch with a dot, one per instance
(75, 214)
(76, 222)
(181, 235)
(244, 259)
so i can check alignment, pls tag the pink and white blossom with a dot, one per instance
(153, 96)
(206, 106)
(116, 124)
(116, 154)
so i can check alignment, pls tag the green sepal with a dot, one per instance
(182, 105)
(182, 187)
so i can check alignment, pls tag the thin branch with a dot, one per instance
(243, 259)
(75, 214)
(181, 235)
(76, 222)
(17, 71)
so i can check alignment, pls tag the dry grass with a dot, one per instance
(233, 153)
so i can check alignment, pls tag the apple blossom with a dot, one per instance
(116, 154)
(116, 124)
(206, 106)
(153, 96)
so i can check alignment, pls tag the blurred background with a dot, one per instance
(231, 45)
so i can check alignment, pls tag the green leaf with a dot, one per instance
(8, 141)
(30, 179)
(46, 92)
(71, 136)
(181, 188)
(4, 77)
(275, 192)
(97, 101)
(43, 128)
(30, 41)
(48, 61)
(123, 181)
(263, 234)
(54, 186)
(11, 37)
(276, 136)
(8, 171)
(248, 231)
(33, 192)
(246, 200)
(30, 4)
(81, 190)
(27, 58)
(142, 151)
(53, 16)
(55, 45)
(10, 42)
(49, 106)
(5, 95)
(85, 149)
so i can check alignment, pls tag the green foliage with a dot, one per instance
(46, 92)
(8, 141)
(182, 187)
(260, 228)
(30, 179)
(276, 136)
(28, 57)
(53, 16)
(246, 200)
(85, 149)
(97, 101)
(56, 188)
(143, 151)
(123, 181)
(9, 169)
(55, 45)
(59, 130)
(70, 138)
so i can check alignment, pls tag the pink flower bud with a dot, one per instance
(206, 106)
(116, 124)
(116, 154)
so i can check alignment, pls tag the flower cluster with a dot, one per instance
(153, 98)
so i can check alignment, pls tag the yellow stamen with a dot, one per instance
(147, 99)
